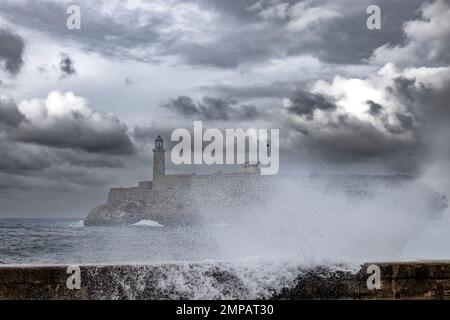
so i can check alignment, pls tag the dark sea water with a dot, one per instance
(316, 237)
(188, 259)
(48, 241)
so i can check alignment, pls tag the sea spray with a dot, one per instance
(327, 222)
(250, 279)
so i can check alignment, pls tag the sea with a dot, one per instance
(221, 261)
(192, 262)
(66, 241)
(324, 238)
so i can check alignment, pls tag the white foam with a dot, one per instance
(147, 223)
(77, 224)
(252, 279)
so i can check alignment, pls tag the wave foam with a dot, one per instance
(147, 223)
(77, 224)
(209, 280)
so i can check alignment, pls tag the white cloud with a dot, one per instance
(67, 121)
(57, 105)
(358, 128)
(428, 39)
(303, 17)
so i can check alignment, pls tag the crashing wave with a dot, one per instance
(77, 224)
(211, 280)
(147, 223)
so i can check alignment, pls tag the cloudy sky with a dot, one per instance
(79, 109)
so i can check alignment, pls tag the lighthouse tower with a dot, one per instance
(159, 170)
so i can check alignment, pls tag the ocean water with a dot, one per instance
(64, 241)
(322, 240)
(219, 261)
(189, 262)
(310, 227)
(269, 249)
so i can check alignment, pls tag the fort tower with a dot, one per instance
(159, 170)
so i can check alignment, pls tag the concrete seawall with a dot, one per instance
(407, 280)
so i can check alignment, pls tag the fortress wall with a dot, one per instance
(146, 185)
(173, 182)
(406, 280)
(190, 199)
(119, 195)
(170, 207)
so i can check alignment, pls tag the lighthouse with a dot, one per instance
(159, 170)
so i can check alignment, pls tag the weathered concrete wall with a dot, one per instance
(418, 280)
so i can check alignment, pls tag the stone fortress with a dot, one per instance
(174, 199)
(186, 199)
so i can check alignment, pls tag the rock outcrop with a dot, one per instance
(126, 213)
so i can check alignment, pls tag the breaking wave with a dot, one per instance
(147, 223)
(208, 280)
(77, 224)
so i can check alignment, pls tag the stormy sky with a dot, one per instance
(79, 109)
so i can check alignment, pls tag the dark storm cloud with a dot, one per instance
(404, 88)
(11, 51)
(184, 106)
(9, 114)
(20, 159)
(61, 154)
(406, 121)
(45, 167)
(85, 159)
(375, 109)
(349, 141)
(100, 31)
(429, 104)
(305, 103)
(359, 139)
(243, 45)
(238, 9)
(213, 109)
(148, 134)
(345, 39)
(87, 130)
(277, 89)
(82, 137)
(78, 133)
(66, 65)
(251, 39)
